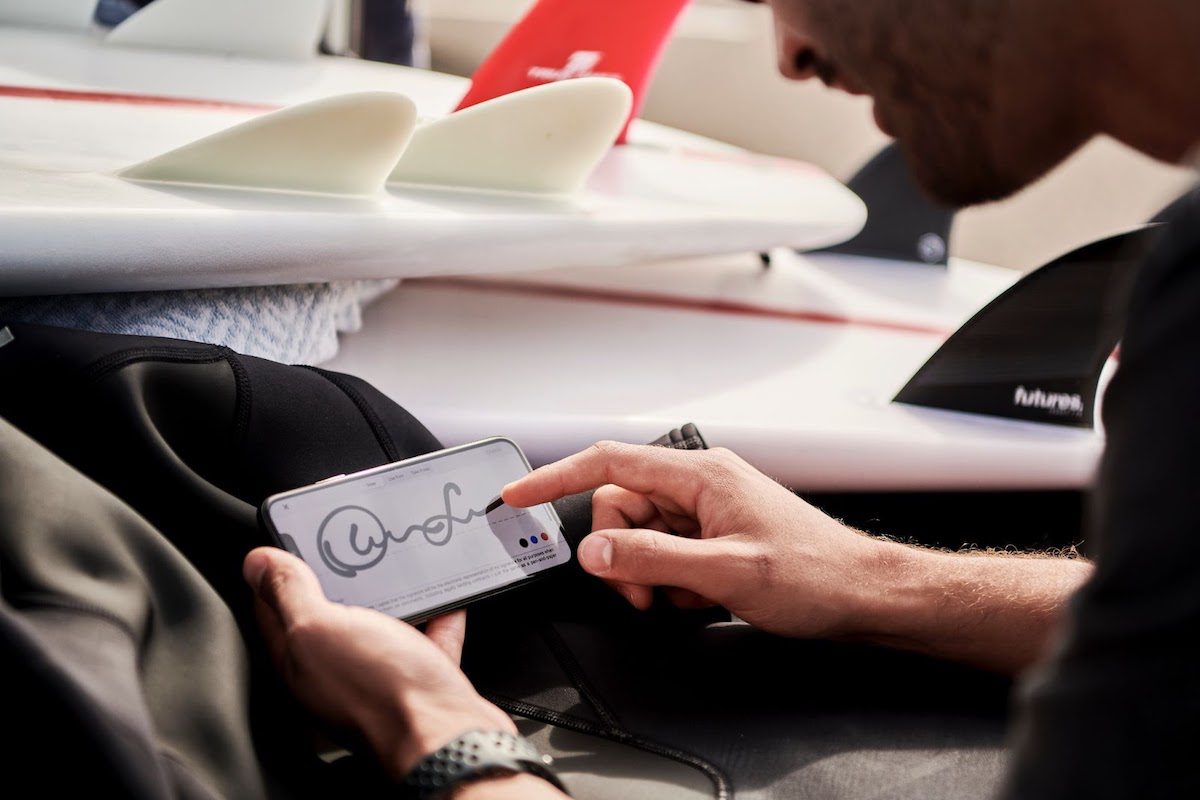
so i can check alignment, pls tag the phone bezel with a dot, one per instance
(264, 516)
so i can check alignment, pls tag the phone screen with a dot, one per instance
(421, 536)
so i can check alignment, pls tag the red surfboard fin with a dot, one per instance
(562, 39)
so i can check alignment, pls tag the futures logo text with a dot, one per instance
(1054, 402)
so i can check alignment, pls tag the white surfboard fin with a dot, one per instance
(1037, 351)
(279, 29)
(76, 14)
(337, 145)
(547, 139)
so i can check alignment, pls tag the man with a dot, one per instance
(984, 96)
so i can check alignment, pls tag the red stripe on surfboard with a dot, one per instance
(673, 302)
(121, 98)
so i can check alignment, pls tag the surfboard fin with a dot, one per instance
(278, 29)
(902, 223)
(1188, 200)
(564, 39)
(1036, 352)
(338, 145)
(74, 14)
(545, 139)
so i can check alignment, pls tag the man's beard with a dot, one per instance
(945, 127)
(953, 160)
(953, 168)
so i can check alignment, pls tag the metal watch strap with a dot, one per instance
(473, 756)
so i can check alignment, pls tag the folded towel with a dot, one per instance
(291, 324)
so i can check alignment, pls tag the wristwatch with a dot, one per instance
(473, 756)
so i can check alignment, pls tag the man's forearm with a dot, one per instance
(993, 610)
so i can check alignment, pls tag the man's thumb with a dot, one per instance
(285, 583)
(650, 558)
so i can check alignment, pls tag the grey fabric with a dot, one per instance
(126, 628)
(595, 768)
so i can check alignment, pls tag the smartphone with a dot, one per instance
(420, 537)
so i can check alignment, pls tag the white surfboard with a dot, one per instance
(793, 367)
(77, 112)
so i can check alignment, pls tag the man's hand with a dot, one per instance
(712, 529)
(400, 690)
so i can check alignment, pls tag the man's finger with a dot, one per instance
(448, 632)
(656, 471)
(617, 508)
(651, 558)
(284, 583)
(640, 597)
(614, 507)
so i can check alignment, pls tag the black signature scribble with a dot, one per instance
(366, 548)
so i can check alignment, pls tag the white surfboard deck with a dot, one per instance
(792, 367)
(75, 113)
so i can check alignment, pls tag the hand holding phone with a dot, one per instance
(420, 537)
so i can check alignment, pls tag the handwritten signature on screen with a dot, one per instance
(368, 543)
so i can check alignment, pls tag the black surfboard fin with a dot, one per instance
(902, 223)
(1186, 203)
(1036, 352)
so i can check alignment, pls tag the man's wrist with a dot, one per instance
(483, 756)
(516, 786)
(418, 726)
(892, 594)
